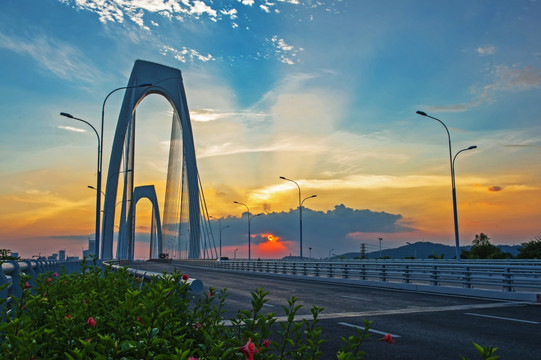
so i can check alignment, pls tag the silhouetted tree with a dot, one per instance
(483, 249)
(530, 249)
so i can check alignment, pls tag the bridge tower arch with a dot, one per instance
(166, 81)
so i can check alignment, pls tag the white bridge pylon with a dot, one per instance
(166, 81)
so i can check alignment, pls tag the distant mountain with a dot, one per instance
(422, 250)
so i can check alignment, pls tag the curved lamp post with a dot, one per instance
(221, 229)
(98, 180)
(100, 158)
(300, 211)
(101, 145)
(249, 239)
(452, 165)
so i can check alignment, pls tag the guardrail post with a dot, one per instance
(295, 268)
(284, 271)
(15, 279)
(434, 276)
(406, 276)
(304, 268)
(346, 273)
(330, 270)
(363, 272)
(4, 293)
(467, 278)
(508, 280)
(383, 273)
(317, 270)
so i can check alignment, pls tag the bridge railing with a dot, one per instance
(508, 277)
(13, 270)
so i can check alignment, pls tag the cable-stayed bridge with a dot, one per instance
(185, 217)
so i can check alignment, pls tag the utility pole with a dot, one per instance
(363, 251)
(380, 246)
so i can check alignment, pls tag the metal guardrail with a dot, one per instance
(12, 271)
(195, 284)
(513, 277)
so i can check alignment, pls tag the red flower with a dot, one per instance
(91, 322)
(266, 343)
(68, 316)
(55, 274)
(192, 358)
(387, 338)
(27, 285)
(249, 350)
(209, 294)
(49, 280)
(198, 326)
(185, 277)
(140, 321)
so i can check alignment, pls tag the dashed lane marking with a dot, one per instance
(370, 330)
(503, 318)
(355, 297)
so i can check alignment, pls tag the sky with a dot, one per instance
(320, 92)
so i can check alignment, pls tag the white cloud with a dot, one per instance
(265, 8)
(71, 128)
(486, 50)
(232, 13)
(246, 2)
(186, 54)
(499, 79)
(61, 59)
(286, 53)
(205, 115)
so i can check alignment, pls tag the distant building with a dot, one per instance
(62, 255)
(72, 258)
(91, 248)
(53, 257)
(15, 254)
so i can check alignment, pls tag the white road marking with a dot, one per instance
(365, 314)
(370, 330)
(503, 318)
(355, 298)
(269, 305)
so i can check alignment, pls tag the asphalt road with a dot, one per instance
(425, 326)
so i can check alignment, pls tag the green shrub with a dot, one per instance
(106, 314)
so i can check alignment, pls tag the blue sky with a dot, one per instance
(324, 92)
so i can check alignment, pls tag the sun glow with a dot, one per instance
(272, 247)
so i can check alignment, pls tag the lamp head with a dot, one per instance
(66, 115)
(422, 113)
(472, 147)
(145, 85)
(283, 178)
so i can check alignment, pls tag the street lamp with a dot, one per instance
(98, 180)
(300, 210)
(452, 164)
(221, 228)
(235, 254)
(249, 238)
(101, 145)
(100, 158)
